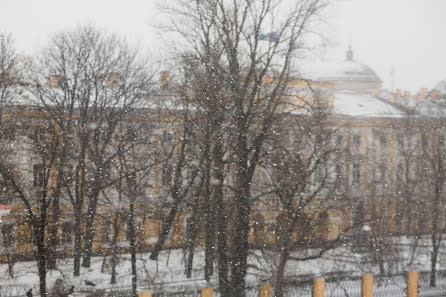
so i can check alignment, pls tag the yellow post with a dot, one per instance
(145, 295)
(367, 285)
(412, 284)
(265, 291)
(207, 292)
(318, 288)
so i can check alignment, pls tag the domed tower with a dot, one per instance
(351, 75)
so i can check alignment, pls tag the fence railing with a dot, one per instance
(412, 284)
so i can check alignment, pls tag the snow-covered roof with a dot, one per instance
(417, 107)
(428, 107)
(349, 70)
(363, 105)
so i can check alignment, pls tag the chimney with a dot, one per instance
(54, 80)
(165, 79)
(407, 95)
(421, 93)
(392, 98)
(113, 79)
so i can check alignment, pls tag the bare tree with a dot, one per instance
(15, 174)
(88, 81)
(136, 166)
(256, 45)
(11, 72)
(30, 181)
(179, 158)
(433, 148)
(300, 176)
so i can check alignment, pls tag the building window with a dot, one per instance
(33, 236)
(383, 140)
(39, 133)
(8, 134)
(38, 175)
(382, 173)
(356, 173)
(401, 140)
(319, 175)
(106, 232)
(8, 235)
(127, 229)
(166, 175)
(338, 173)
(188, 228)
(68, 172)
(424, 141)
(167, 136)
(132, 135)
(399, 173)
(357, 140)
(338, 140)
(67, 233)
(105, 172)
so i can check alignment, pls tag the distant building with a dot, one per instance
(382, 140)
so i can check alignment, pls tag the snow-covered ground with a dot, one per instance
(168, 272)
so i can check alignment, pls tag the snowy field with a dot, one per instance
(167, 274)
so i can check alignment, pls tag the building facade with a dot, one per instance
(383, 170)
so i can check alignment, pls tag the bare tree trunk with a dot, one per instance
(79, 195)
(177, 192)
(434, 256)
(77, 239)
(11, 260)
(278, 284)
(436, 236)
(190, 259)
(165, 228)
(242, 211)
(89, 227)
(114, 259)
(41, 266)
(209, 210)
(53, 234)
(78, 221)
(41, 250)
(191, 238)
(132, 240)
(435, 249)
(221, 218)
(56, 200)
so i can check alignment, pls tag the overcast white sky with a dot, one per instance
(409, 34)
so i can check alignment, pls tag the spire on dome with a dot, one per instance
(349, 53)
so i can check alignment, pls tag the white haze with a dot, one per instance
(409, 34)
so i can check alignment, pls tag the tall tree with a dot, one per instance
(30, 180)
(135, 165)
(257, 42)
(88, 80)
(300, 176)
(434, 156)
